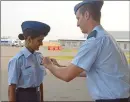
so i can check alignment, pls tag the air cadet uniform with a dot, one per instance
(26, 69)
(105, 65)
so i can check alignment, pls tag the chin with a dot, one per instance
(83, 32)
(37, 49)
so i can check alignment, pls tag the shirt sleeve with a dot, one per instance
(13, 71)
(40, 60)
(87, 54)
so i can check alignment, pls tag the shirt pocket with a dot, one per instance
(27, 70)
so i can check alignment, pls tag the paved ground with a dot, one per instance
(54, 89)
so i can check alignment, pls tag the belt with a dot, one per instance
(114, 100)
(30, 89)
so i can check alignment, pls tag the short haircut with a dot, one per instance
(93, 9)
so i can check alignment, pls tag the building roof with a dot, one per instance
(118, 35)
(125, 40)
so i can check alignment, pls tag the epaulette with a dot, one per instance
(92, 34)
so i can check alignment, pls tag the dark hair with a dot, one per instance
(93, 9)
(30, 32)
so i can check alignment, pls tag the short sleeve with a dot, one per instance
(87, 54)
(13, 71)
(40, 58)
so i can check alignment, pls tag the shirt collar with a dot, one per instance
(98, 27)
(26, 52)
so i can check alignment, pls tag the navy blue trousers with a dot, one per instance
(27, 96)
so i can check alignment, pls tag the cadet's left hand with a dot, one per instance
(47, 62)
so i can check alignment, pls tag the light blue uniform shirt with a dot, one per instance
(106, 66)
(26, 69)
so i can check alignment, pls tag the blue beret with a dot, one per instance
(97, 3)
(40, 27)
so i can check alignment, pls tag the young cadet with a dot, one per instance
(99, 56)
(25, 69)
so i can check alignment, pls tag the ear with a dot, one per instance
(29, 39)
(87, 15)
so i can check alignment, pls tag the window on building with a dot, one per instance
(118, 43)
(62, 44)
(125, 46)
